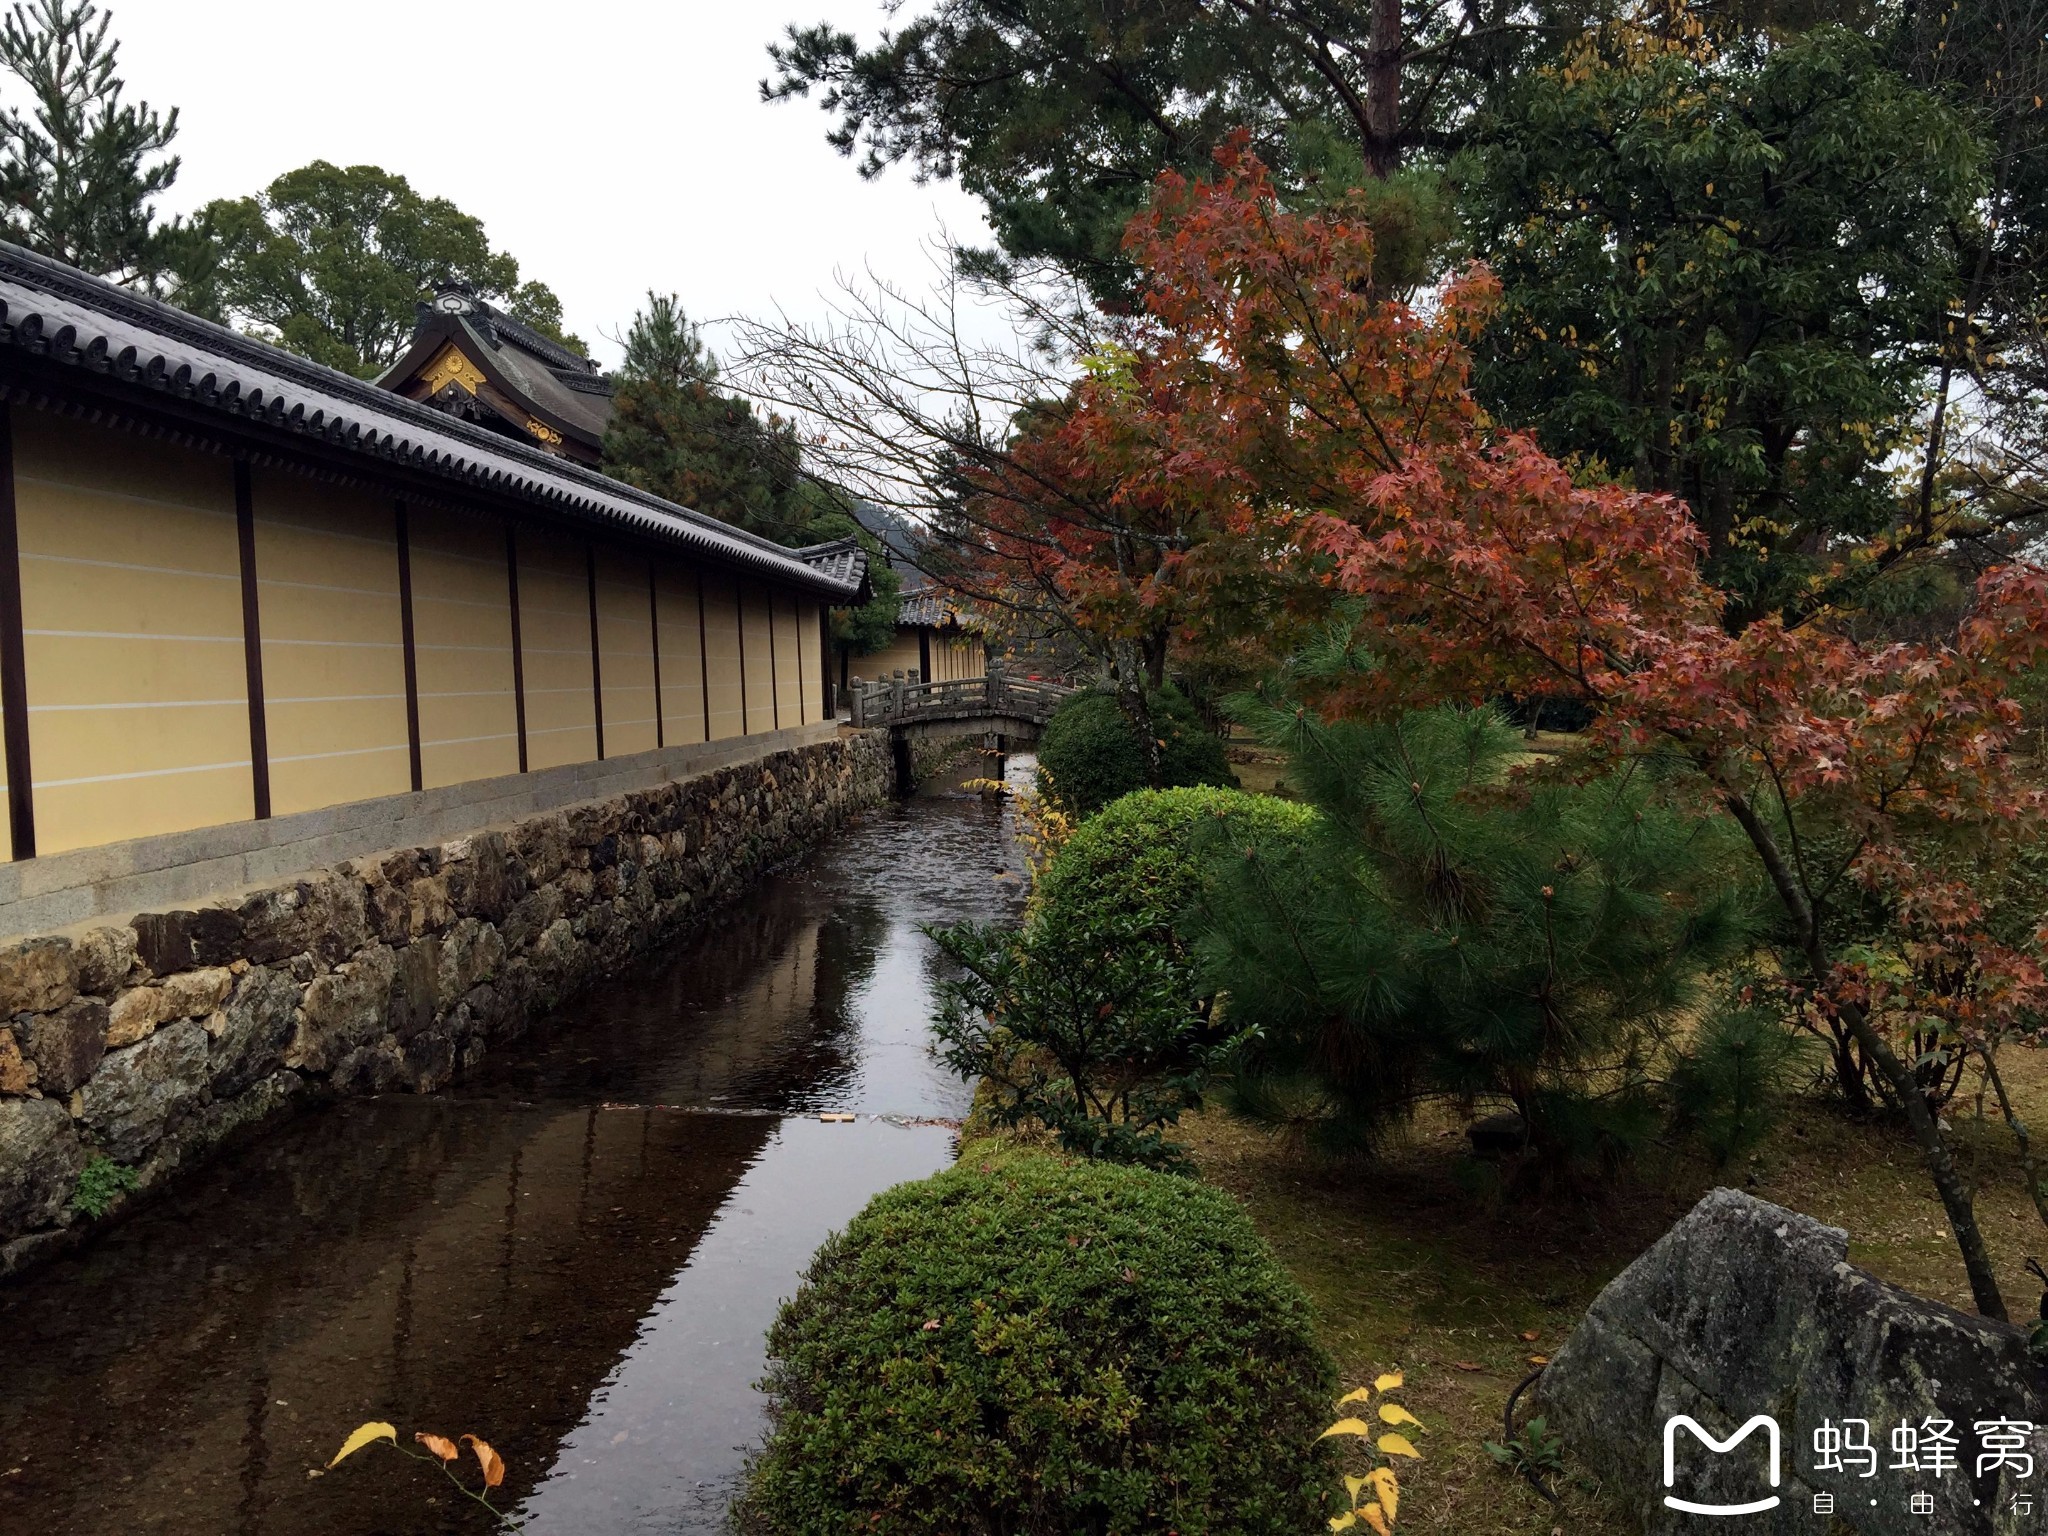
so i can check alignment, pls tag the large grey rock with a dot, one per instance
(65, 1045)
(1744, 1308)
(342, 1010)
(415, 988)
(140, 1093)
(324, 916)
(40, 1160)
(250, 1034)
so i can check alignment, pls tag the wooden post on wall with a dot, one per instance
(252, 641)
(703, 653)
(596, 667)
(412, 670)
(654, 639)
(518, 657)
(774, 669)
(739, 631)
(21, 807)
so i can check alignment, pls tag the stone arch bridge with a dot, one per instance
(999, 706)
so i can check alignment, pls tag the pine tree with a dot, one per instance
(1457, 930)
(674, 432)
(78, 165)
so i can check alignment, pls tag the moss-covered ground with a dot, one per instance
(1427, 1261)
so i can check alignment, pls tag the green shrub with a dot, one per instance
(1144, 856)
(1036, 1348)
(1091, 1021)
(1090, 754)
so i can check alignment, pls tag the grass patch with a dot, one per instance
(1408, 1265)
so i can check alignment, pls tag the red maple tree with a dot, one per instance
(1275, 398)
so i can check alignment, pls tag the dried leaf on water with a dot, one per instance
(365, 1434)
(488, 1459)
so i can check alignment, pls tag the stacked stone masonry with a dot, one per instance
(153, 1043)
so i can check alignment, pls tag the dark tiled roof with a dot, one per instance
(52, 311)
(841, 560)
(547, 379)
(930, 608)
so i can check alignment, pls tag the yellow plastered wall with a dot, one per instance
(625, 637)
(682, 656)
(132, 617)
(554, 643)
(722, 646)
(900, 655)
(758, 654)
(789, 659)
(462, 648)
(333, 642)
(808, 646)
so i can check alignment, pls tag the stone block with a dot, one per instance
(15, 1072)
(105, 956)
(41, 1158)
(65, 1045)
(415, 988)
(324, 916)
(471, 953)
(192, 993)
(140, 1093)
(177, 941)
(134, 1015)
(37, 976)
(250, 1034)
(342, 1010)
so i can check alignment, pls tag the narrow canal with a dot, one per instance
(574, 1254)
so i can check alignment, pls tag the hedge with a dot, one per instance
(1034, 1347)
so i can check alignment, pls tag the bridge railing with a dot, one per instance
(904, 699)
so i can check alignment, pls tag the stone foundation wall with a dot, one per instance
(152, 1042)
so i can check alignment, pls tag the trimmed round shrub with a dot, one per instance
(1090, 754)
(1039, 1348)
(1144, 857)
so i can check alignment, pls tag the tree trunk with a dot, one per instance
(1383, 90)
(1956, 1196)
(1129, 670)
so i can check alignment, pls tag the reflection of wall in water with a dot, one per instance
(457, 1266)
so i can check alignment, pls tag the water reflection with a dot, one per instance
(574, 1254)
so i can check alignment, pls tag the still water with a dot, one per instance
(573, 1254)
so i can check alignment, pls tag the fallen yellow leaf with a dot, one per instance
(1394, 1413)
(1356, 1395)
(1356, 1427)
(1388, 1382)
(364, 1435)
(1398, 1445)
(1388, 1487)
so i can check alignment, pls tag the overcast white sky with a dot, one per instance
(610, 145)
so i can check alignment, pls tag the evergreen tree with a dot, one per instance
(675, 433)
(78, 165)
(333, 262)
(1450, 929)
